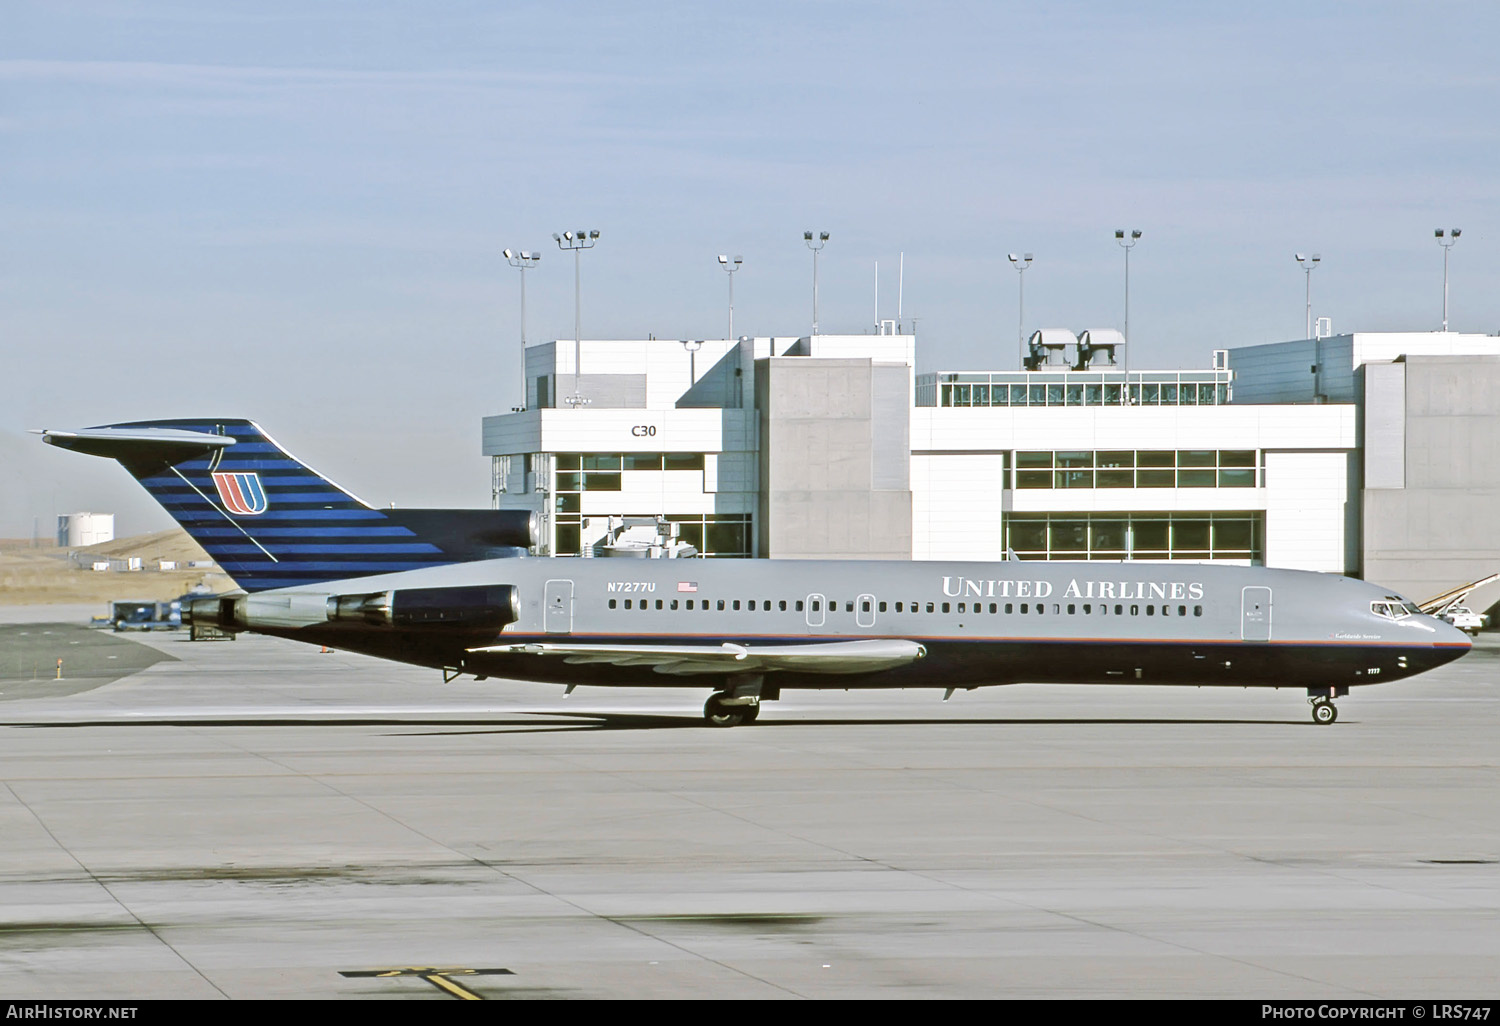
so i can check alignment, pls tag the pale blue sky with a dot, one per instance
(294, 212)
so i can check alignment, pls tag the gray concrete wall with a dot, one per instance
(1433, 525)
(834, 459)
(1283, 372)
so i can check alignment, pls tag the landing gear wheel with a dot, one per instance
(720, 715)
(752, 712)
(1324, 712)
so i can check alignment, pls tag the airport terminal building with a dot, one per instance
(1365, 454)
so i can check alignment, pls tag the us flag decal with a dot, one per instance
(241, 492)
(687, 585)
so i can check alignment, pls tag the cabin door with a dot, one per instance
(815, 612)
(557, 616)
(1255, 614)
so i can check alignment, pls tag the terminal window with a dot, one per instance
(1090, 388)
(716, 535)
(1233, 536)
(719, 535)
(574, 462)
(1137, 468)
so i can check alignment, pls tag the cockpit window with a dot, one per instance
(1394, 609)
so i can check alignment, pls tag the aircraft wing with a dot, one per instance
(866, 656)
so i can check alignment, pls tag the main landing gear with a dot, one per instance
(1324, 711)
(739, 702)
(720, 715)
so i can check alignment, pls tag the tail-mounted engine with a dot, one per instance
(479, 607)
(486, 607)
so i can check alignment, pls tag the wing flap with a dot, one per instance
(833, 657)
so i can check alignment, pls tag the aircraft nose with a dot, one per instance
(1451, 639)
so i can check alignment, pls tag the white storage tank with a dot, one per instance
(75, 530)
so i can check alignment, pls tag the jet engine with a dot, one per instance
(478, 607)
(488, 607)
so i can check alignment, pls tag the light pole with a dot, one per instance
(731, 266)
(1127, 245)
(523, 261)
(1021, 263)
(577, 242)
(807, 237)
(1308, 263)
(1446, 241)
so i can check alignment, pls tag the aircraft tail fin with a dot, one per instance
(271, 521)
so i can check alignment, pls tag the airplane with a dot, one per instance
(457, 591)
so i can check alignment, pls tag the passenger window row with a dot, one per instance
(765, 605)
(1008, 608)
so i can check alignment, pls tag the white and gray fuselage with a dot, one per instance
(626, 621)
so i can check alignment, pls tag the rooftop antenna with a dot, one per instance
(900, 287)
(877, 297)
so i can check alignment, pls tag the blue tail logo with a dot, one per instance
(241, 493)
(271, 521)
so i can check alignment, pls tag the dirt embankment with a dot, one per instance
(47, 575)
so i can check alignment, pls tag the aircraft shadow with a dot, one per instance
(639, 721)
(560, 722)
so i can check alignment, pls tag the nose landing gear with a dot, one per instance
(1324, 711)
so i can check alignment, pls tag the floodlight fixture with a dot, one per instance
(1447, 244)
(1308, 263)
(522, 261)
(731, 266)
(807, 238)
(577, 242)
(1020, 263)
(1127, 245)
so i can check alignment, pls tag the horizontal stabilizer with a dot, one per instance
(139, 446)
(866, 656)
